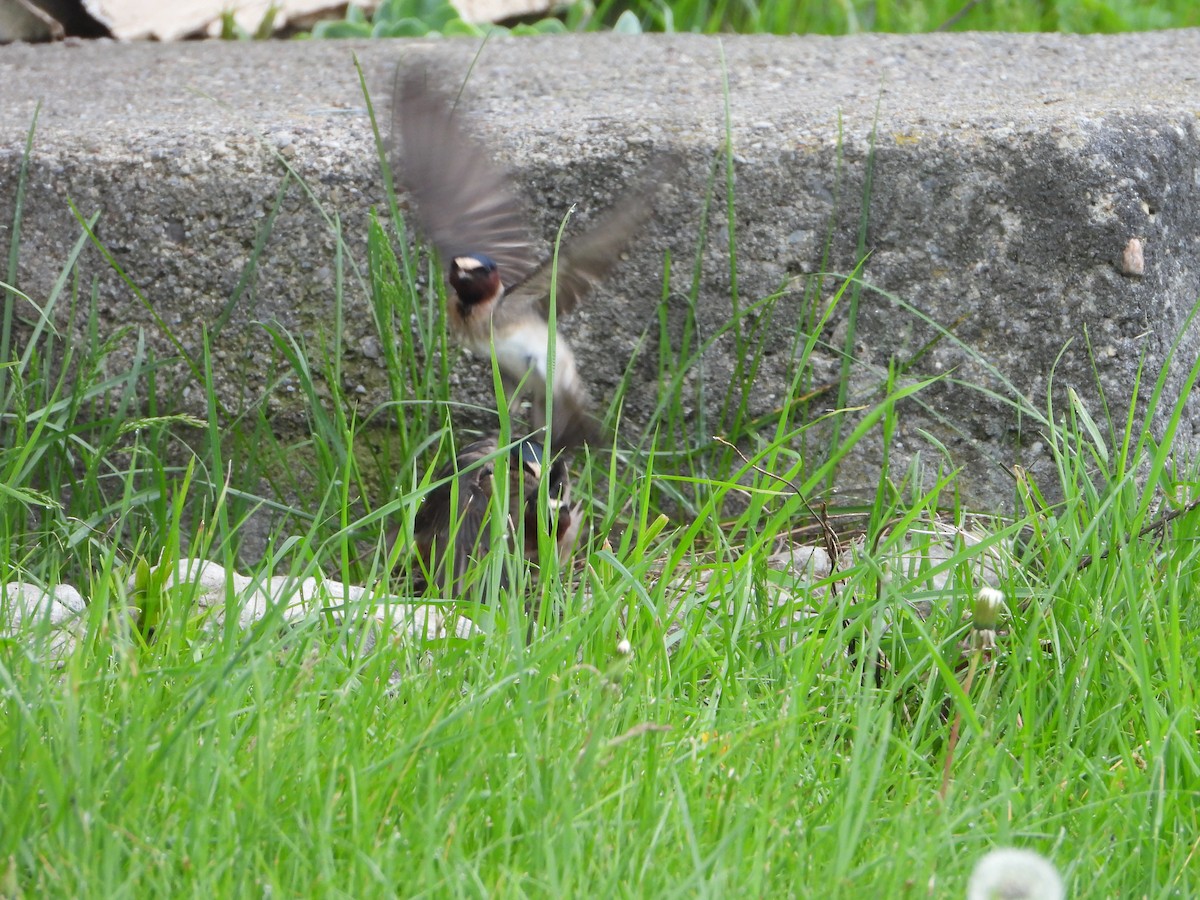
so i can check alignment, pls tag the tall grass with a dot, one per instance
(690, 718)
(858, 16)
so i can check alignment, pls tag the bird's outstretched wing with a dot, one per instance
(585, 259)
(464, 202)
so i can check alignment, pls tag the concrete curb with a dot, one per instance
(1012, 172)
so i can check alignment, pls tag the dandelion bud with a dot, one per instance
(988, 603)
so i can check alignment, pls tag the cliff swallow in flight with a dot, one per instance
(464, 533)
(500, 279)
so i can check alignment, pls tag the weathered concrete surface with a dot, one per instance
(1011, 173)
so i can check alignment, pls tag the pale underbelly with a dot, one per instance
(522, 353)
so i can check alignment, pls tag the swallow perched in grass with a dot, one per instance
(463, 532)
(500, 278)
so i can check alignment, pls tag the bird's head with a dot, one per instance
(475, 278)
(562, 517)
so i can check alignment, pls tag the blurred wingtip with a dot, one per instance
(412, 79)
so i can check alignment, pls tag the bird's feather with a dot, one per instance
(438, 517)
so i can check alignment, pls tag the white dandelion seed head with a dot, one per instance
(1013, 874)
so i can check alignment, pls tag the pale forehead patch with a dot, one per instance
(467, 263)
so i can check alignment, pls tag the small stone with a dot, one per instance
(371, 348)
(1133, 259)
